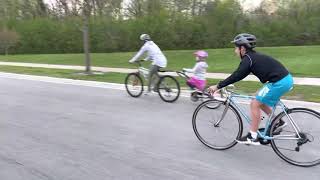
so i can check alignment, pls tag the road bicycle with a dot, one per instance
(166, 86)
(297, 143)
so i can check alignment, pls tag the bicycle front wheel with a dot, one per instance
(216, 124)
(134, 84)
(168, 88)
(298, 142)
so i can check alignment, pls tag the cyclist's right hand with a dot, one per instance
(212, 89)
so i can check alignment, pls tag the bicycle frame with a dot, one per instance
(143, 72)
(231, 99)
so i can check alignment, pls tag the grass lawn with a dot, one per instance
(304, 93)
(302, 61)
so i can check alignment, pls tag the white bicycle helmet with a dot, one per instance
(144, 37)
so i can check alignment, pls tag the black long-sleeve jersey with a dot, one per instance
(266, 68)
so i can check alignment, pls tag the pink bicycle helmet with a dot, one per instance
(201, 54)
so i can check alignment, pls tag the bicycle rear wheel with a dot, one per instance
(218, 127)
(134, 84)
(303, 149)
(168, 88)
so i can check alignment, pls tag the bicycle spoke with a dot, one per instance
(301, 148)
(168, 89)
(286, 149)
(134, 85)
(217, 137)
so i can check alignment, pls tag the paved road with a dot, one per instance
(66, 132)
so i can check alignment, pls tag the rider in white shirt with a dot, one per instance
(154, 54)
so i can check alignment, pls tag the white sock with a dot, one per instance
(253, 134)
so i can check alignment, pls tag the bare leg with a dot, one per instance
(256, 107)
(266, 109)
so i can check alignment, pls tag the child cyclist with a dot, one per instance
(198, 80)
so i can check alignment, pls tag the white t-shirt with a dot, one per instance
(199, 70)
(154, 54)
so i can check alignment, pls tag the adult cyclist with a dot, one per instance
(276, 78)
(155, 55)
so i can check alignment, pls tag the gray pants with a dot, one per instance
(153, 77)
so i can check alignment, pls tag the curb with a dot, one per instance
(116, 86)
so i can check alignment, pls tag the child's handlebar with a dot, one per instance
(182, 74)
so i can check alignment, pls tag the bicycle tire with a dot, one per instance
(305, 112)
(221, 106)
(137, 77)
(164, 88)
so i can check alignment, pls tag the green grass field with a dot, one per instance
(305, 93)
(303, 61)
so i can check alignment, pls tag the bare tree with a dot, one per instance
(199, 6)
(75, 7)
(42, 8)
(106, 7)
(28, 9)
(135, 8)
(182, 5)
(193, 7)
(65, 5)
(139, 8)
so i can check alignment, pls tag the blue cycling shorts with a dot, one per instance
(270, 93)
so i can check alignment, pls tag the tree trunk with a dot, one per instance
(86, 43)
(42, 9)
(6, 49)
(193, 8)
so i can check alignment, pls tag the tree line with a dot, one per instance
(55, 26)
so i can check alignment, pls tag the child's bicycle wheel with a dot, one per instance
(134, 84)
(168, 88)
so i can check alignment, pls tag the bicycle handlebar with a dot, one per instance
(229, 90)
(226, 92)
(137, 62)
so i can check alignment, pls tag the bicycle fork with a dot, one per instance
(223, 114)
